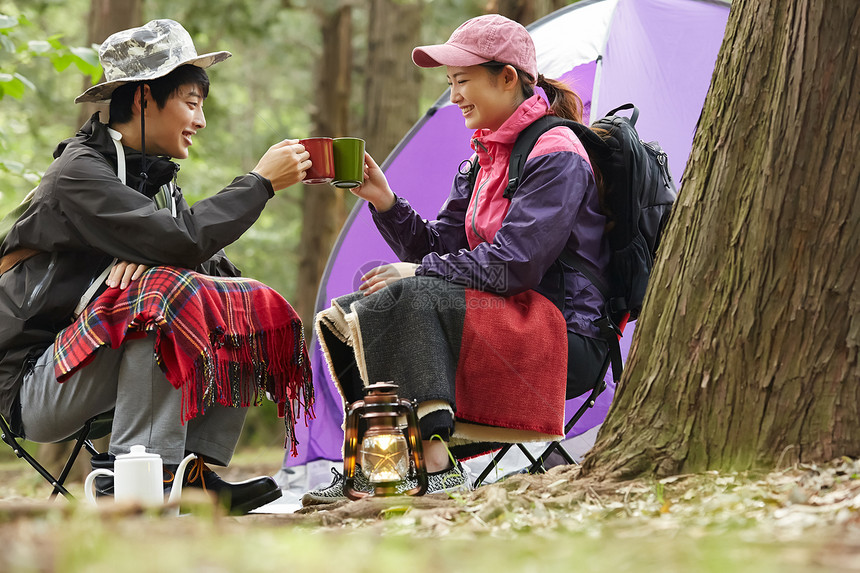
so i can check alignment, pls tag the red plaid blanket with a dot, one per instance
(224, 340)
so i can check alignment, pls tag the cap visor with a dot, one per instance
(444, 55)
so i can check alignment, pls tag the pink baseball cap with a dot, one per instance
(490, 38)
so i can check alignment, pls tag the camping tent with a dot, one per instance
(659, 54)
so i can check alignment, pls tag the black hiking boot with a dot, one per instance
(237, 498)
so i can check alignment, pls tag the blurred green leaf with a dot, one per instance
(87, 56)
(7, 22)
(12, 166)
(25, 81)
(7, 44)
(38, 46)
(12, 86)
(63, 61)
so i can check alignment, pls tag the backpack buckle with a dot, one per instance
(607, 326)
(512, 186)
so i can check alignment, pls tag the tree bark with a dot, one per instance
(524, 11)
(393, 84)
(746, 354)
(323, 206)
(107, 17)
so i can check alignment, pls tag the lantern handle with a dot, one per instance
(413, 438)
(350, 449)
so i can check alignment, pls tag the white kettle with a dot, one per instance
(138, 478)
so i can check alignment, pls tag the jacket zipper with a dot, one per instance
(478, 193)
(475, 210)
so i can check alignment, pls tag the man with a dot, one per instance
(109, 204)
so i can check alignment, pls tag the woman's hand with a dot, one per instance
(375, 187)
(123, 273)
(381, 277)
(284, 164)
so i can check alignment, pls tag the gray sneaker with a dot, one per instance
(456, 478)
(453, 479)
(334, 491)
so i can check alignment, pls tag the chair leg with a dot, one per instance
(58, 486)
(12, 441)
(527, 453)
(88, 445)
(538, 464)
(490, 466)
(76, 449)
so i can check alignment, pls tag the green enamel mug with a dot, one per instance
(348, 162)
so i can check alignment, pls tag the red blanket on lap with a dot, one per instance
(220, 340)
(499, 363)
(512, 369)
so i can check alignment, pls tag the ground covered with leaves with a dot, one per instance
(805, 518)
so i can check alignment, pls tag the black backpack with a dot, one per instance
(638, 197)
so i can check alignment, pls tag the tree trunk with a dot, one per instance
(746, 354)
(323, 206)
(393, 85)
(107, 17)
(524, 11)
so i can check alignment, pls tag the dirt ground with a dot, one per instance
(802, 518)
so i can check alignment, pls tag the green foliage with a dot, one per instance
(33, 63)
(14, 34)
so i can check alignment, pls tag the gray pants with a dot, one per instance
(147, 408)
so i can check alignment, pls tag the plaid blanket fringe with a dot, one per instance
(255, 367)
(225, 341)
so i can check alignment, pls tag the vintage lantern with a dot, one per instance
(389, 453)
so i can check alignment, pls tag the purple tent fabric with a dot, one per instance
(656, 58)
(658, 54)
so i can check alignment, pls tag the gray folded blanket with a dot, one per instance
(497, 364)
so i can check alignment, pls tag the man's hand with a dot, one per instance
(284, 164)
(381, 277)
(123, 273)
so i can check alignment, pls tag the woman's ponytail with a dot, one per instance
(564, 102)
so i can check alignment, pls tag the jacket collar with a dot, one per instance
(94, 134)
(531, 109)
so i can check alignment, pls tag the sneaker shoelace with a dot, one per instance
(339, 479)
(452, 477)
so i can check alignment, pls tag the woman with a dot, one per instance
(486, 242)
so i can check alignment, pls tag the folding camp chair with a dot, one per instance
(95, 427)
(611, 332)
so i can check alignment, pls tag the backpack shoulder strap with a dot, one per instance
(594, 145)
(474, 167)
(527, 139)
(576, 263)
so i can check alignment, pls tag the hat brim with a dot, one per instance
(445, 55)
(101, 93)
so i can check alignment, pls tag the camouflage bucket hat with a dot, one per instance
(151, 51)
